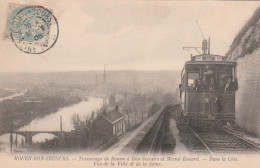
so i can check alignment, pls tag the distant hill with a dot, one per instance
(166, 81)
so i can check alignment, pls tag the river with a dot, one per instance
(51, 122)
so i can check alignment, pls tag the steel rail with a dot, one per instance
(201, 140)
(242, 139)
(151, 149)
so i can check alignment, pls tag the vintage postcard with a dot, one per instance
(129, 83)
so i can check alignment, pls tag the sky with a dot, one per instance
(126, 35)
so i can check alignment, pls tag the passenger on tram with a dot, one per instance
(180, 87)
(199, 85)
(212, 85)
(205, 84)
(230, 86)
(222, 84)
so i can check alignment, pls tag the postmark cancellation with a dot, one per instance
(33, 29)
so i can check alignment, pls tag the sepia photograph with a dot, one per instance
(129, 83)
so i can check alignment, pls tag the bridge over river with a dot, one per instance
(49, 126)
(29, 134)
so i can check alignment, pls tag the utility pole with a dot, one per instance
(61, 126)
(204, 46)
(16, 140)
(11, 137)
(11, 142)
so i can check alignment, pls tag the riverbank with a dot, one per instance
(19, 111)
(83, 109)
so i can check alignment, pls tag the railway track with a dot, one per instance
(223, 141)
(153, 139)
(159, 139)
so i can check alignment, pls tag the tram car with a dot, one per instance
(207, 90)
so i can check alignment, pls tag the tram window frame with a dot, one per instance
(223, 73)
(196, 69)
(208, 76)
(208, 72)
(217, 69)
(192, 86)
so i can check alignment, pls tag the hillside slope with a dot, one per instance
(245, 50)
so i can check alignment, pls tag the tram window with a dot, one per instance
(192, 77)
(191, 82)
(223, 80)
(224, 73)
(209, 73)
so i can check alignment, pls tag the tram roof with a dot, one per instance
(218, 60)
(209, 63)
(194, 62)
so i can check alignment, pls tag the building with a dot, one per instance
(108, 126)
